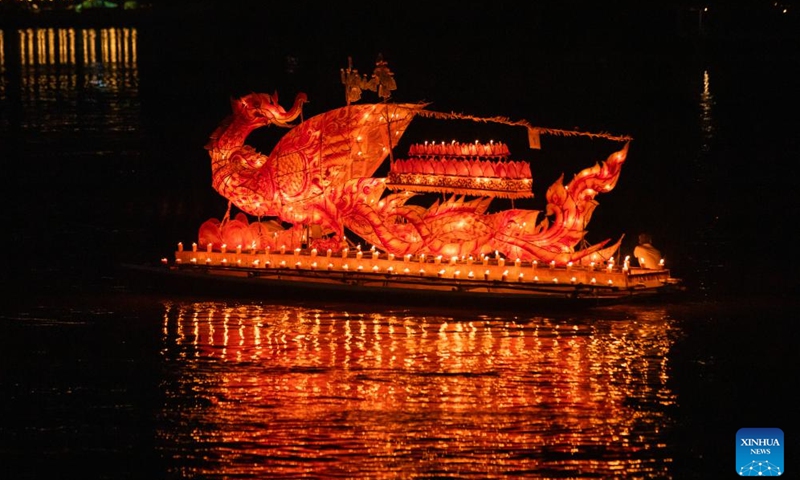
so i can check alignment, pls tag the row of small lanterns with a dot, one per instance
(375, 254)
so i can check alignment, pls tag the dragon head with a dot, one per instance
(263, 108)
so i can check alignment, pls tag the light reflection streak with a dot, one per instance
(299, 391)
(706, 117)
(49, 46)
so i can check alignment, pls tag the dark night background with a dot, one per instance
(718, 192)
(521, 60)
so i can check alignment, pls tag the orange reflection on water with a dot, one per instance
(52, 46)
(292, 390)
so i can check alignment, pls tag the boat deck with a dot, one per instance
(357, 276)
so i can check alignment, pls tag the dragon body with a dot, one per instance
(319, 177)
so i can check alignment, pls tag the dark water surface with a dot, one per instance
(102, 131)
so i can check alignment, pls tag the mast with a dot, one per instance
(383, 81)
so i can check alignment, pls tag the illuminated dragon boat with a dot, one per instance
(314, 217)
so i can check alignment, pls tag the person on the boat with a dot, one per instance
(646, 254)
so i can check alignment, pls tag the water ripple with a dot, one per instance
(289, 391)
